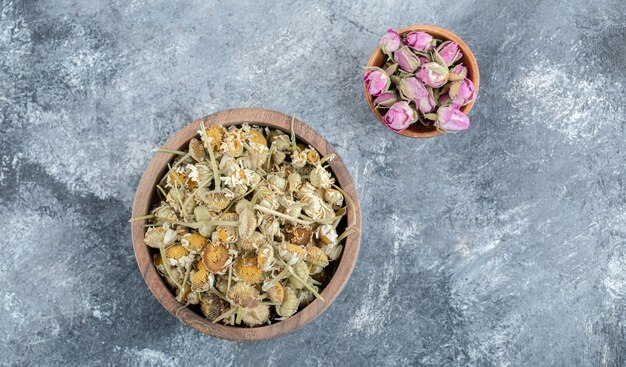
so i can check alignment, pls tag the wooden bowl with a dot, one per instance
(377, 58)
(146, 196)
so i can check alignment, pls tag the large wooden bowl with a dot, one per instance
(378, 58)
(145, 197)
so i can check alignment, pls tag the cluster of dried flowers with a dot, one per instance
(247, 224)
(422, 80)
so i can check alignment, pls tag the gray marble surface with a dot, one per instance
(500, 246)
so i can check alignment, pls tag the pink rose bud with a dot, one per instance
(406, 59)
(376, 80)
(423, 59)
(444, 99)
(459, 70)
(450, 119)
(413, 89)
(419, 41)
(390, 41)
(400, 116)
(449, 53)
(433, 74)
(462, 92)
(386, 99)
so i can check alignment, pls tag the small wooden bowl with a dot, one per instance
(378, 58)
(146, 196)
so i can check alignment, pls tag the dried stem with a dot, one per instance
(281, 215)
(170, 151)
(181, 293)
(147, 216)
(168, 270)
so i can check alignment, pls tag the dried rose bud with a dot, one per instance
(386, 99)
(423, 59)
(406, 59)
(444, 99)
(460, 71)
(400, 116)
(462, 92)
(450, 119)
(390, 41)
(433, 74)
(419, 41)
(448, 53)
(414, 90)
(376, 80)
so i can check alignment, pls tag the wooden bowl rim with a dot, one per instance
(437, 32)
(142, 205)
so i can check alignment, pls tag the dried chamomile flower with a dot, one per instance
(212, 306)
(241, 205)
(294, 181)
(202, 213)
(227, 234)
(333, 197)
(290, 303)
(243, 295)
(193, 298)
(256, 316)
(196, 150)
(301, 272)
(305, 297)
(221, 283)
(215, 257)
(159, 237)
(332, 251)
(327, 234)
(247, 222)
(315, 207)
(165, 212)
(276, 293)
(265, 257)
(212, 137)
(298, 158)
(194, 242)
(215, 201)
(321, 178)
(175, 198)
(269, 226)
(251, 243)
(247, 270)
(175, 178)
(277, 182)
(312, 156)
(316, 256)
(177, 255)
(200, 173)
(256, 136)
(279, 140)
(291, 253)
(202, 280)
(232, 143)
(278, 157)
(298, 234)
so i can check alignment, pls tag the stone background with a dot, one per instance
(500, 246)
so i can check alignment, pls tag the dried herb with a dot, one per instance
(246, 224)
